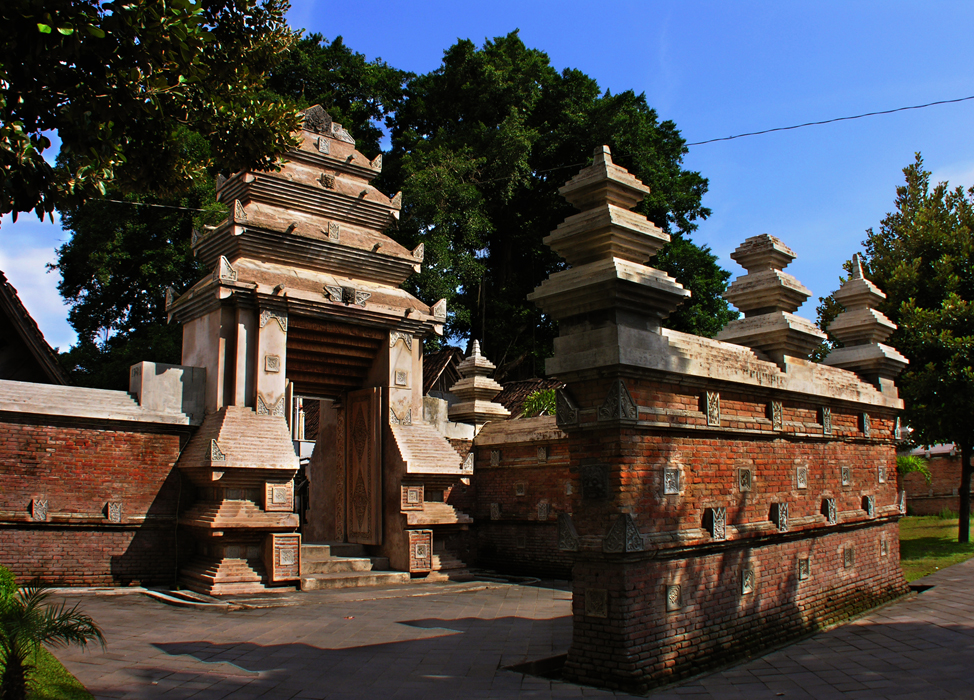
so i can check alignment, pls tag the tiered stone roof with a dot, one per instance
(476, 391)
(861, 329)
(607, 246)
(768, 297)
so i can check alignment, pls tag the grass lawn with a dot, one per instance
(51, 681)
(929, 543)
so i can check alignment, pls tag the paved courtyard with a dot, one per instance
(428, 641)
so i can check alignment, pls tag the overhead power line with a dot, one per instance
(830, 121)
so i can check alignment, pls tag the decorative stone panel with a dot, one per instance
(775, 415)
(402, 377)
(902, 502)
(542, 453)
(279, 497)
(272, 364)
(674, 597)
(113, 511)
(543, 509)
(520, 488)
(849, 556)
(780, 516)
(869, 505)
(718, 523)
(38, 509)
(411, 497)
(748, 582)
(712, 400)
(567, 534)
(495, 458)
(623, 536)
(595, 481)
(495, 511)
(801, 476)
(845, 473)
(671, 481)
(566, 412)
(881, 474)
(825, 416)
(829, 511)
(804, 568)
(864, 425)
(420, 551)
(597, 602)
(744, 479)
(282, 556)
(883, 546)
(618, 405)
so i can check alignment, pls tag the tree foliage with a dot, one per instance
(922, 257)
(480, 147)
(117, 81)
(28, 620)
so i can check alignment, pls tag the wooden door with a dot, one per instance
(364, 459)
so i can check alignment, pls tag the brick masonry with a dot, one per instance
(941, 493)
(111, 497)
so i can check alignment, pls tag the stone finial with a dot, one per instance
(476, 391)
(608, 247)
(768, 298)
(861, 329)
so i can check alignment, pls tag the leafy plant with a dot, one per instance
(540, 403)
(907, 464)
(27, 621)
(8, 584)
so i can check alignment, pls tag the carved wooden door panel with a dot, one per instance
(364, 473)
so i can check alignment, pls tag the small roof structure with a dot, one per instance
(514, 394)
(441, 364)
(24, 354)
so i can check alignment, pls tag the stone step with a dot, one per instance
(321, 551)
(444, 562)
(353, 579)
(334, 565)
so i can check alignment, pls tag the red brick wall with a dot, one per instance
(78, 471)
(716, 621)
(942, 491)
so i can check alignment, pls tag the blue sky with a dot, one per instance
(716, 69)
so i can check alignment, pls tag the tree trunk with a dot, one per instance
(964, 526)
(13, 682)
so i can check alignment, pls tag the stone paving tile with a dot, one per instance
(453, 642)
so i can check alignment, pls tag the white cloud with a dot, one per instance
(956, 174)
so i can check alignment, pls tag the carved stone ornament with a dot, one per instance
(869, 505)
(747, 581)
(396, 336)
(495, 511)
(439, 310)
(671, 481)
(745, 479)
(216, 454)
(333, 293)
(468, 463)
(361, 298)
(281, 317)
(239, 214)
(804, 568)
(520, 488)
(114, 511)
(864, 424)
(846, 475)
(396, 200)
(272, 364)
(376, 163)
(38, 509)
(595, 482)
(881, 476)
(342, 134)
(674, 598)
(419, 252)
(327, 180)
(718, 523)
(196, 236)
(802, 477)
(495, 458)
(324, 146)
(618, 404)
(402, 377)
(544, 508)
(623, 536)
(849, 556)
(829, 510)
(334, 231)
(883, 546)
(566, 412)
(897, 430)
(316, 119)
(265, 409)
(170, 297)
(567, 535)
(776, 415)
(902, 502)
(713, 407)
(781, 516)
(405, 419)
(826, 418)
(597, 602)
(225, 271)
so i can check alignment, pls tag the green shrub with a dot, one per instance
(8, 585)
(540, 403)
(947, 514)
(907, 464)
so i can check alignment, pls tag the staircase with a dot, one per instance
(344, 565)
(447, 567)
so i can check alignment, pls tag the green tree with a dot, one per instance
(117, 81)
(480, 147)
(922, 256)
(27, 621)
